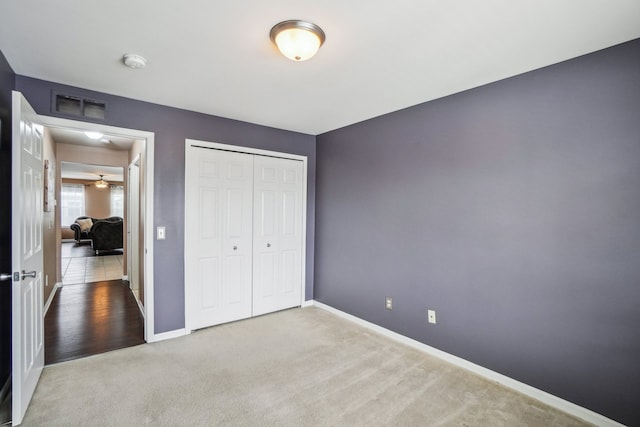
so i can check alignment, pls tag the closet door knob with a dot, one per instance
(235, 248)
(268, 245)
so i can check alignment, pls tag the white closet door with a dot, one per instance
(218, 250)
(277, 244)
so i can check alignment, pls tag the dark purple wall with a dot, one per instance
(172, 126)
(7, 78)
(513, 210)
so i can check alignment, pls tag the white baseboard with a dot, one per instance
(542, 396)
(51, 295)
(135, 296)
(125, 277)
(307, 303)
(168, 335)
(140, 306)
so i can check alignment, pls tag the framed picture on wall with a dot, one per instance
(49, 186)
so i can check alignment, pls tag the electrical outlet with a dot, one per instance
(388, 303)
(431, 316)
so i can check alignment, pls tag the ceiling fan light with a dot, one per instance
(101, 183)
(297, 40)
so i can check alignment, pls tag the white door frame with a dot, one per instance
(55, 122)
(133, 228)
(248, 150)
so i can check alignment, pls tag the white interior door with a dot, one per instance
(218, 236)
(133, 237)
(277, 245)
(27, 257)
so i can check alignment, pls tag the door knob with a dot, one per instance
(235, 248)
(31, 274)
(268, 245)
(4, 277)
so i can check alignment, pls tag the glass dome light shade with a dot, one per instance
(297, 40)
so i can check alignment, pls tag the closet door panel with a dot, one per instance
(234, 272)
(237, 235)
(267, 214)
(265, 266)
(203, 277)
(290, 271)
(209, 269)
(291, 232)
(277, 234)
(267, 275)
(218, 248)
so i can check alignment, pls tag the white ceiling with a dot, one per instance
(76, 137)
(87, 172)
(215, 57)
(90, 172)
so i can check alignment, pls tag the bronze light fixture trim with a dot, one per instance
(296, 39)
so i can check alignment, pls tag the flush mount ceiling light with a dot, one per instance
(94, 135)
(134, 61)
(101, 183)
(297, 40)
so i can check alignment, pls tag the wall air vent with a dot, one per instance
(76, 106)
(68, 105)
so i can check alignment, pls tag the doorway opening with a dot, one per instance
(91, 305)
(91, 193)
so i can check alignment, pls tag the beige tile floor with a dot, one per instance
(91, 269)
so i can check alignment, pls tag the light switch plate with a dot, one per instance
(161, 233)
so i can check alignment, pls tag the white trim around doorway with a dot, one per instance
(55, 122)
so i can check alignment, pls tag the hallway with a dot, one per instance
(91, 318)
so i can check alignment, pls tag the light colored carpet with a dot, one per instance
(300, 367)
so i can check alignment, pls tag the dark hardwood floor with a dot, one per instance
(91, 318)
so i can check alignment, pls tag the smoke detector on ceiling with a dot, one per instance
(134, 61)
